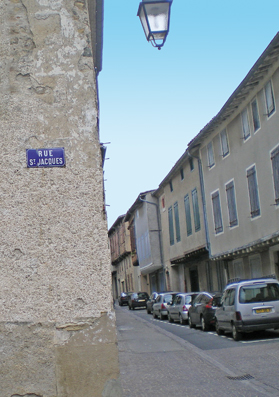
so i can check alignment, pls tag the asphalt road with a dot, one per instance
(159, 359)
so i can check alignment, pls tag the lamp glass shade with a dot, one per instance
(154, 16)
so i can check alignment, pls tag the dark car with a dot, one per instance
(138, 299)
(150, 302)
(124, 298)
(202, 311)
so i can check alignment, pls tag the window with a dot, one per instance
(171, 230)
(224, 143)
(269, 98)
(217, 212)
(188, 215)
(210, 155)
(245, 124)
(177, 226)
(231, 204)
(253, 192)
(275, 168)
(191, 162)
(196, 210)
(171, 187)
(182, 174)
(255, 114)
(163, 203)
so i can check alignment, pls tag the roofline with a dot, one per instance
(247, 82)
(136, 204)
(116, 223)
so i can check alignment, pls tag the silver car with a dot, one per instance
(247, 306)
(178, 310)
(160, 307)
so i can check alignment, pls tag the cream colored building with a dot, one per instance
(239, 151)
(58, 335)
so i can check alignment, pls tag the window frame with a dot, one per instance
(269, 111)
(253, 191)
(245, 122)
(187, 207)
(231, 203)
(176, 222)
(210, 155)
(217, 212)
(171, 226)
(224, 139)
(253, 115)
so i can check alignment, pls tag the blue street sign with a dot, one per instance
(54, 157)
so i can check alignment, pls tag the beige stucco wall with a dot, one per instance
(244, 154)
(57, 324)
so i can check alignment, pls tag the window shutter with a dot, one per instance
(253, 192)
(188, 215)
(275, 168)
(231, 204)
(217, 212)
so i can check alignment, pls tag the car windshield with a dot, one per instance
(259, 293)
(142, 295)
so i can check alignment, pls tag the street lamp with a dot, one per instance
(155, 19)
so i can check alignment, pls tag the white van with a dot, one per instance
(247, 306)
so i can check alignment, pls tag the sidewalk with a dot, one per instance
(156, 363)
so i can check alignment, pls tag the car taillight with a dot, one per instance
(209, 304)
(184, 308)
(163, 307)
(238, 316)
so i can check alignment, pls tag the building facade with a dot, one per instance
(239, 151)
(55, 261)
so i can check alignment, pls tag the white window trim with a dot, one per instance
(242, 124)
(210, 167)
(212, 209)
(259, 216)
(229, 151)
(255, 131)
(276, 206)
(236, 226)
(269, 116)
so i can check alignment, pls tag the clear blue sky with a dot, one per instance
(152, 103)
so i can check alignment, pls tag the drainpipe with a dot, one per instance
(208, 247)
(160, 238)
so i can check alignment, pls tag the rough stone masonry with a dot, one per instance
(57, 326)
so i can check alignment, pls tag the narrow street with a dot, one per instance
(159, 359)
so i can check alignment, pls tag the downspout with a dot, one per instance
(160, 238)
(208, 247)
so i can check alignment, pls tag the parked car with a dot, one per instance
(202, 311)
(124, 298)
(160, 307)
(247, 306)
(178, 310)
(138, 299)
(150, 302)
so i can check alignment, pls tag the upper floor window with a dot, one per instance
(224, 143)
(255, 114)
(269, 98)
(275, 168)
(231, 204)
(191, 162)
(181, 174)
(253, 192)
(176, 218)
(217, 214)
(245, 124)
(188, 215)
(163, 203)
(210, 155)
(171, 229)
(196, 210)
(171, 186)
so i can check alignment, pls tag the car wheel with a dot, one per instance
(154, 315)
(218, 330)
(148, 311)
(161, 316)
(129, 307)
(169, 318)
(204, 325)
(191, 325)
(235, 333)
(182, 322)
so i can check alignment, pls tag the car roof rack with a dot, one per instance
(239, 280)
